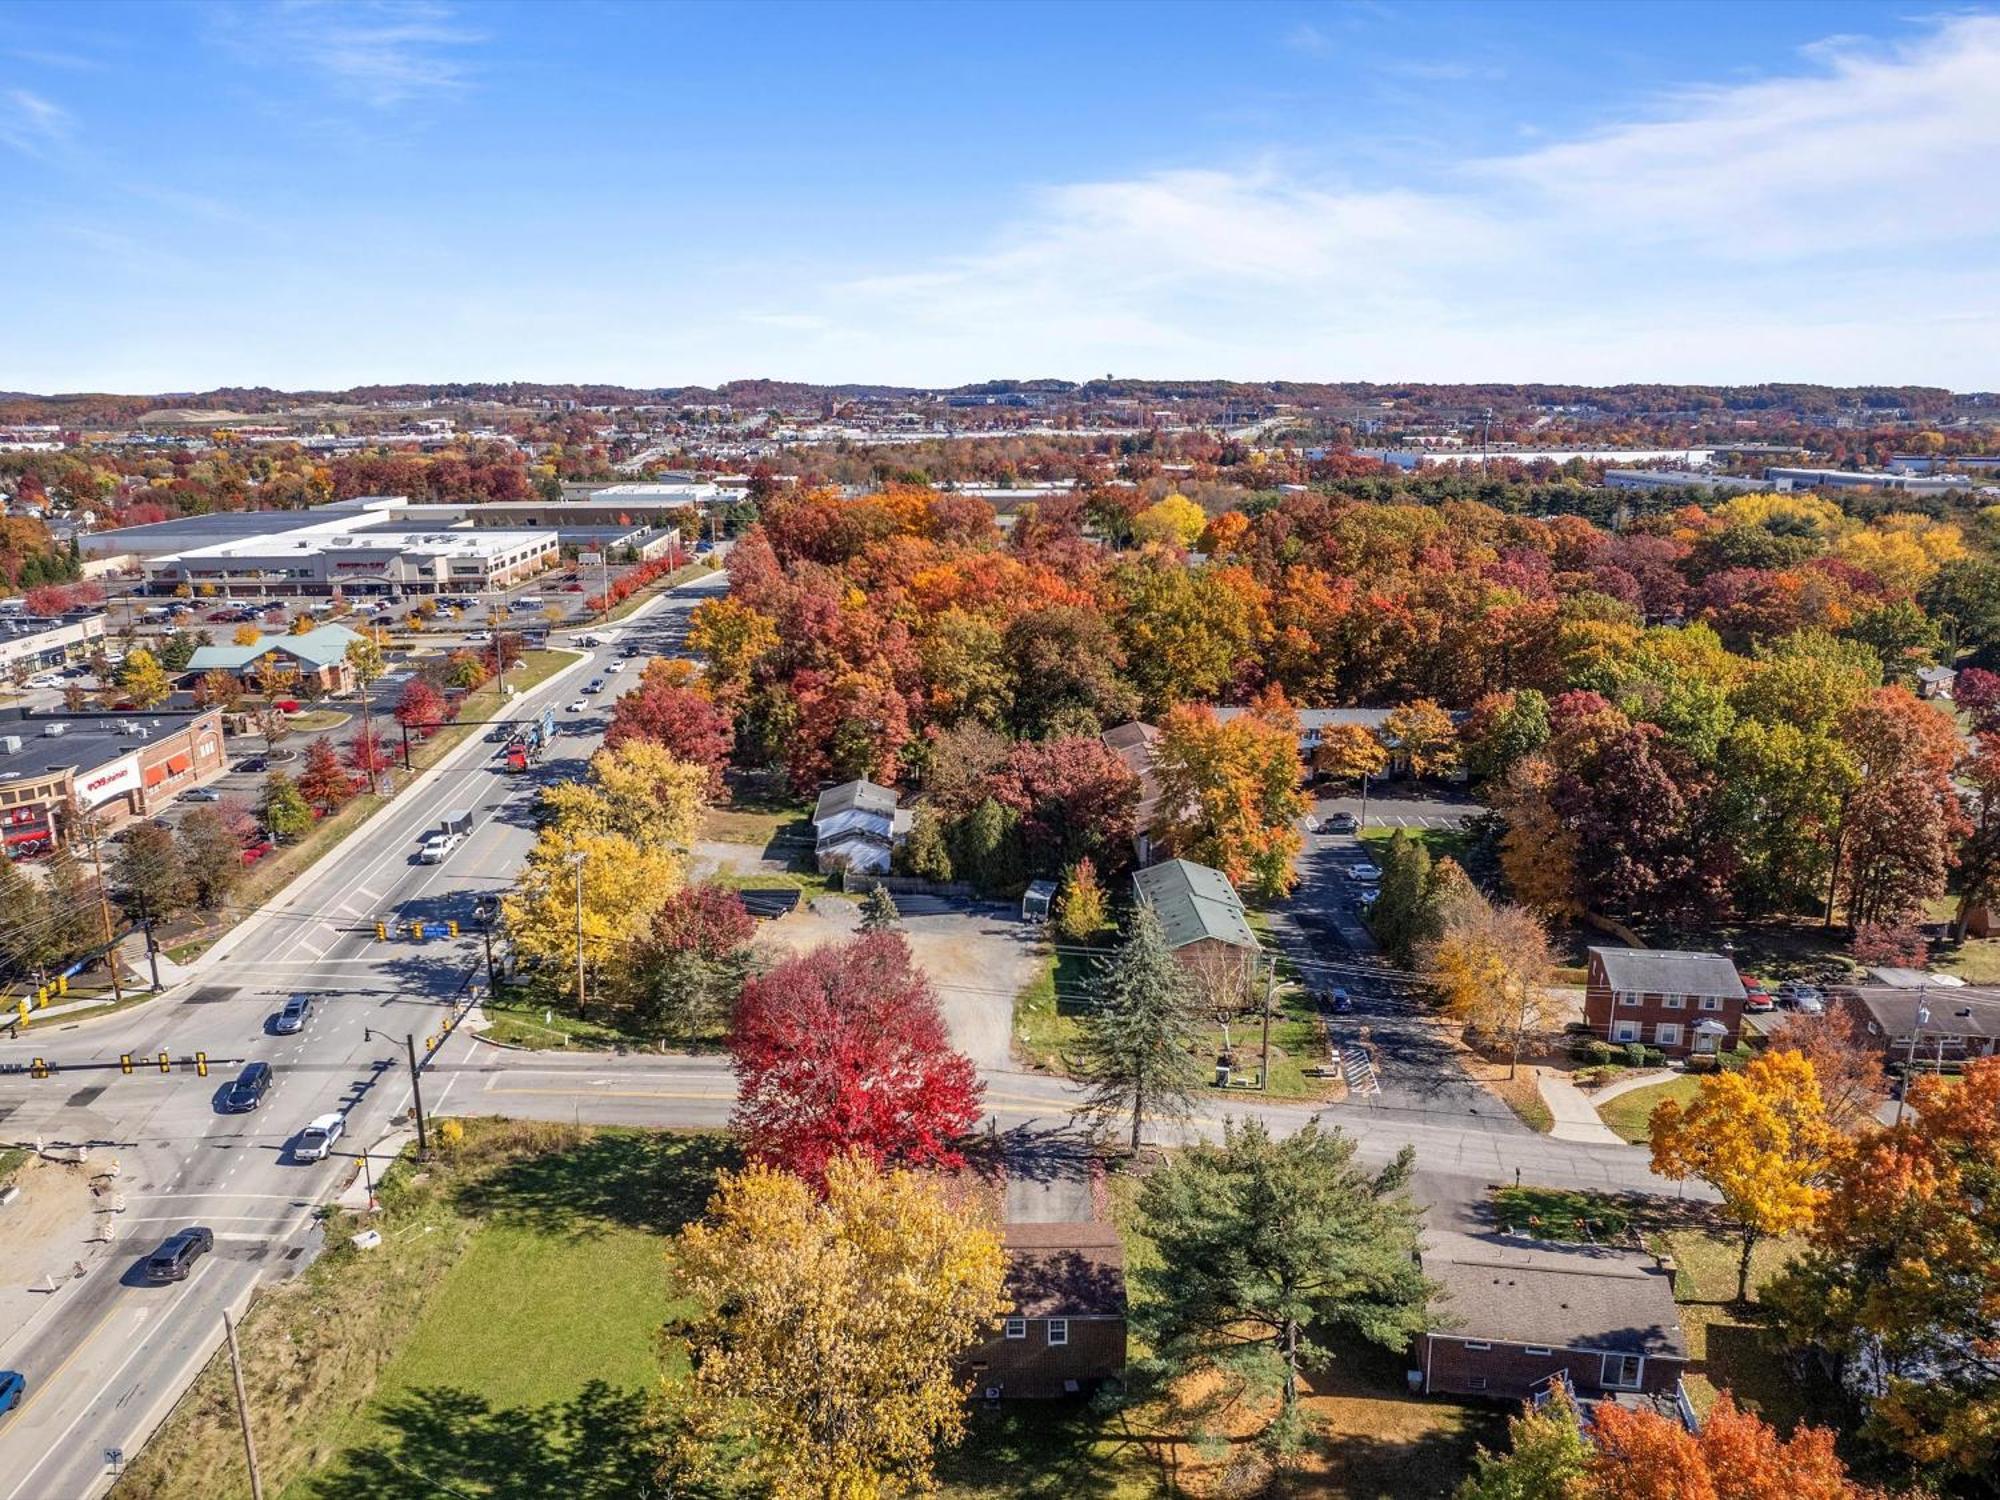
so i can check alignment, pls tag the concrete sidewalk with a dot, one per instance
(1576, 1117)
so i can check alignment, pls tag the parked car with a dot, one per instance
(176, 1257)
(13, 1386)
(1340, 822)
(572, 588)
(1795, 994)
(316, 1140)
(201, 794)
(297, 1011)
(478, 637)
(254, 852)
(256, 765)
(1365, 872)
(249, 1089)
(1757, 999)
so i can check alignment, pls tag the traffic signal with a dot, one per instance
(451, 928)
(125, 1062)
(166, 1063)
(22, 1007)
(41, 997)
(201, 1064)
(381, 932)
(417, 931)
(62, 984)
(39, 1068)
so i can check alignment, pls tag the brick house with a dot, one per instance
(1524, 1313)
(1682, 1003)
(1066, 1335)
(1946, 1023)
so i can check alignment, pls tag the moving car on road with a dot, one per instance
(249, 1089)
(13, 1386)
(577, 707)
(1340, 822)
(175, 1259)
(316, 1140)
(297, 1011)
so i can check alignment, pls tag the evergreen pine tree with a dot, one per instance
(878, 910)
(1135, 1050)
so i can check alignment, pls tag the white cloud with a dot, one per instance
(1309, 39)
(382, 52)
(29, 123)
(1808, 226)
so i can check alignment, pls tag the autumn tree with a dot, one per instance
(1426, 736)
(637, 791)
(284, 808)
(1068, 666)
(1546, 1458)
(1229, 794)
(1265, 1245)
(1639, 1454)
(1176, 520)
(826, 1329)
(323, 781)
(692, 961)
(1899, 824)
(211, 854)
(1897, 1283)
(1491, 966)
(1185, 630)
(1081, 912)
(1134, 1048)
(368, 753)
(1761, 1139)
(623, 884)
(1846, 1064)
(148, 875)
(668, 708)
(219, 689)
(1348, 752)
(843, 1051)
(144, 680)
(246, 635)
(1076, 800)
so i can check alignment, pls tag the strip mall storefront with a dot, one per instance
(136, 784)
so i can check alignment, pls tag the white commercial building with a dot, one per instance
(359, 555)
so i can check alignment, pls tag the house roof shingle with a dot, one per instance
(1194, 902)
(318, 648)
(1893, 1010)
(1065, 1270)
(863, 794)
(1557, 1296)
(1669, 971)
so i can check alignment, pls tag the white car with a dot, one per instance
(44, 680)
(1367, 874)
(616, 666)
(437, 846)
(316, 1140)
(478, 637)
(577, 707)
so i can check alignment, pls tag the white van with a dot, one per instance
(316, 1140)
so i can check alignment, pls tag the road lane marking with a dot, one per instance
(580, 1095)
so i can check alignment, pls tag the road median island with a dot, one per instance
(519, 1282)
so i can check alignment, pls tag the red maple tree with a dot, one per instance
(843, 1051)
(421, 709)
(667, 709)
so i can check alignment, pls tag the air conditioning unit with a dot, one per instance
(10, 744)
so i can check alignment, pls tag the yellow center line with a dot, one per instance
(44, 1382)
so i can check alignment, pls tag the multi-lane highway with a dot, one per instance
(106, 1353)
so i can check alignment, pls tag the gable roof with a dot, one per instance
(1065, 1270)
(1669, 971)
(1560, 1296)
(863, 795)
(1194, 902)
(322, 646)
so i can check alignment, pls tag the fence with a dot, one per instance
(854, 881)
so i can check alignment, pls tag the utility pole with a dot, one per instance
(152, 949)
(1270, 988)
(417, 1098)
(1361, 824)
(88, 827)
(486, 932)
(243, 1409)
(576, 860)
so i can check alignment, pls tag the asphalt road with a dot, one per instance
(106, 1354)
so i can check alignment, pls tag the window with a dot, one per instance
(1667, 1034)
(1621, 1372)
(1475, 1344)
(1711, 1002)
(1017, 1328)
(1058, 1331)
(1675, 1002)
(1531, 1349)
(1627, 997)
(1476, 1383)
(1625, 1031)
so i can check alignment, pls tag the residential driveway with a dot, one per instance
(979, 959)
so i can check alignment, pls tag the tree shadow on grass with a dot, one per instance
(445, 1441)
(1048, 1450)
(634, 1179)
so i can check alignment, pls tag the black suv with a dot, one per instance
(249, 1089)
(173, 1260)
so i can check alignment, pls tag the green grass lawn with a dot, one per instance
(1628, 1114)
(500, 1343)
(1439, 843)
(12, 1159)
(1729, 1347)
(1046, 1012)
(1561, 1214)
(1976, 960)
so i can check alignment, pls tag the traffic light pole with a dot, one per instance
(417, 1098)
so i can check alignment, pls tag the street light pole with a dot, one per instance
(417, 1098)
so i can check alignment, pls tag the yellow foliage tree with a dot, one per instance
(1175, 519)
(1348, 752)
(731, 637)
(144, 680)
(1425, 734)
(638, 792)
(1229, 793)
(247, 635)
(1760, 1138)
(1491, 967)
(1537, 852)
(1795, 512)
(1903, 550)
(828, 1329)
(624, 883)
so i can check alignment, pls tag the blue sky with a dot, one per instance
(317, 194)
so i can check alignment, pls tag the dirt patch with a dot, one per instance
(47, 1232)
(978, 960)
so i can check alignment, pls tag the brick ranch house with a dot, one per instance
(1523, 1313)
(1066, 1335)
(1685, 1004)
